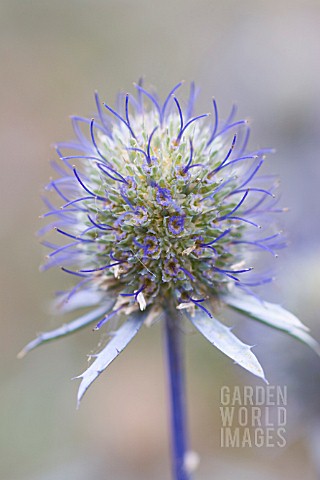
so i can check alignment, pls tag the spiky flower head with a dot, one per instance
(160, 208)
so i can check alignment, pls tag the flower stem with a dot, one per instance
(175, 367)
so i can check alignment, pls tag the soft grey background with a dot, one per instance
(265, 56)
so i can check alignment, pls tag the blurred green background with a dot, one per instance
(54, 54)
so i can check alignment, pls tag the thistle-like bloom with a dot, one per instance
(160, 209)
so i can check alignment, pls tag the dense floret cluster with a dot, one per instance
(158, 202)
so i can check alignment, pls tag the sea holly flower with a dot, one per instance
(159, 213)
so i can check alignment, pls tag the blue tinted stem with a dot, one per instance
(177, 396)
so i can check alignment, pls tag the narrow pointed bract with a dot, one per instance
(222, 337)
(273, 315)
(64, 330)
(118, 342)
(156, 204)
